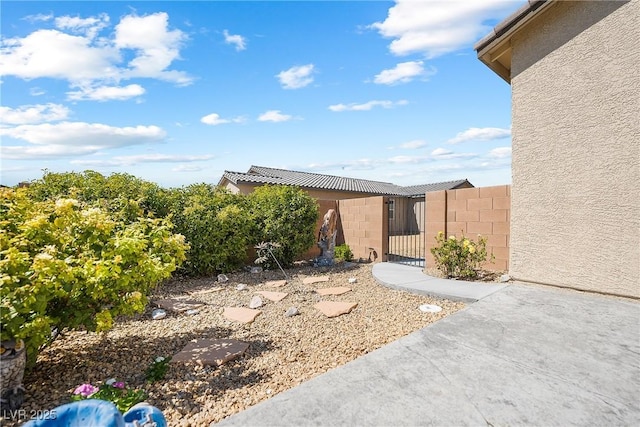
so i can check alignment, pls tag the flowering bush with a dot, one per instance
(158, 369)
(460, 258)
(112, 391)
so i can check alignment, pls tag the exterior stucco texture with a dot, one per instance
(576, 136)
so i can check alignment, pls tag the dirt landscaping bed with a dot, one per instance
(283, 351)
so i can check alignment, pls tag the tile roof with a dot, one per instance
(265, 175)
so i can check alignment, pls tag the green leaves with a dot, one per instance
(459, 258)
(66, 264)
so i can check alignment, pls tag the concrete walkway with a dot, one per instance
(412, 279)
(524, 355)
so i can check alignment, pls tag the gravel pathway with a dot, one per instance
(283, 351)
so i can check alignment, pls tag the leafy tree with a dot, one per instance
(285, 215)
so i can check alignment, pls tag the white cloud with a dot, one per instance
(274, 116)
(366, 106)
(360, 164)
(416, 143)
(29, 114)
(142, 158)
(156, 46)
(237, 40)
(88, 26)
(404, 72)
(75, 52)
(40, 17)
(106, 93)
(36, 91)
(296, 77)
(480, 134)
(500, 153)
(437, 27)
(214, 119)
(444, 154)
(74, 138)
(407, 159)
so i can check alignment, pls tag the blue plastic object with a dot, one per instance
(83, 413)
(100, 413)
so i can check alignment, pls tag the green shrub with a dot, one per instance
(65, 265)
(343, 253)
(285, 215)
(217, 226)
(460, 258)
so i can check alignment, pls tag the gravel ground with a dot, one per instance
(283, 351)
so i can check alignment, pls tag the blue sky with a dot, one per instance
(177, 92)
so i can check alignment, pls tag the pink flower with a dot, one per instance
(119, 384)
(85, 390)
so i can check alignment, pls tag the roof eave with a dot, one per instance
(497, 43)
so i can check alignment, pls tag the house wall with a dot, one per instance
(246, 188)
(364, 224)
(576, 138)
(471, 211)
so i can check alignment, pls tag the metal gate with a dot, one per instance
(406, 230)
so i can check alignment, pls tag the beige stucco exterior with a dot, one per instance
(575, 212)
(246, 188)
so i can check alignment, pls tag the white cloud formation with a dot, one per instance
(444, 154)
(142, 158)
(274, 116)
(480, 134)
(106, 93)
(296, 77)
(30, 114)
(407, 159)
(416, 143)
(214, 119)
(88, 26)
(437, 27)
(36, 91)
(73, 138)
(237, 40)
(74, 51)
(39, 17)
(367, 105)
(187, 168)
(500, 153)
(404, 72)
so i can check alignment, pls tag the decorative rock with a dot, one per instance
(505, 278)
(241, 314)
(333, 291)
(192, 312)
(428, 308)
(178, 306)
(292, 311)
(255, 270)
(207, 352)
(353, 280)
(222, 278)
(241, 287)
(334, 309)
(255, 302)
(158, 314)
(275, 283)
(317, 279)
(273, 296)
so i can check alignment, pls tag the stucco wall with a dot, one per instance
(576, 137)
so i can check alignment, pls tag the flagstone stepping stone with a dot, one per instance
(317, 279)
(206, 291)
(241, 314)
(211, 352)
(333, 291)
(275, 283)
(178, 306)
(335, 309)
(273, 296)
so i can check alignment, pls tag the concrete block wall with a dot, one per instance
(364, 223)
(471, 211)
